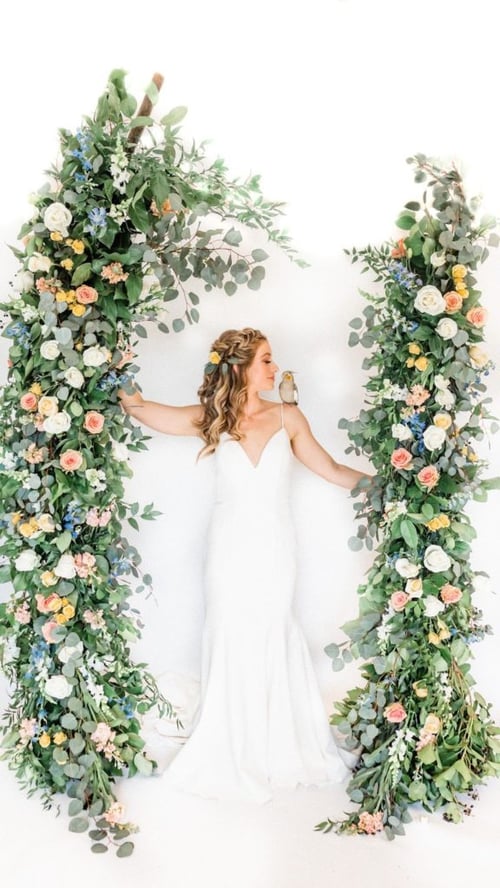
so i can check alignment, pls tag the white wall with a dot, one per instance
(325, 100)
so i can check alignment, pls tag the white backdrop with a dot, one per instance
(325, 100)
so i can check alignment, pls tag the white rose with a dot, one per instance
(401, 432)
(27, 560)
(429, 300)
(74, 377)
(94, 356)
(65, 567)
(406, 568)
(440, 382)
(445, 398)
(37, 262)
(57, 686)
(433, 606)
(69, 651)
(119, 451)
(23, 281)
(57, 217)
(50, 350)
(57, 424)
(438, 259)
(447, 328)
(434, 437)
(45, 522)
(414, 588)
(436, 559)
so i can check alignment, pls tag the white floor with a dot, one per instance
(189, 842)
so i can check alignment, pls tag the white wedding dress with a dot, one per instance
(261, 722)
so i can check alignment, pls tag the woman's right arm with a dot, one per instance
(161, 417)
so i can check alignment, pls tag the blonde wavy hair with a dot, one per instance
(223, 392)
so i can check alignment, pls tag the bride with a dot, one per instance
(261, 723)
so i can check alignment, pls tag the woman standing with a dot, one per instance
(261, 722)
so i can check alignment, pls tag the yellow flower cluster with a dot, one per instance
(32, 525)
(438, 522)
(77, 246)
(214, 358)
(69, 296)
(58, 738)
(459, 273)
(442, 635)
(420, 363)
(65, 611)
(36, 388)
(469, 454)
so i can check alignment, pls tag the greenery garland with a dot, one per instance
(423, 734)
(119, 233)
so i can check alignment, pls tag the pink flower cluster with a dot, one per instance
(370, 823)
(22, 613)
(27, 730)
(84, 564)
(115, 813)
(97, 518)
(103, 737)
(94, 619)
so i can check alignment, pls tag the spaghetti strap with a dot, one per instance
(282, 421)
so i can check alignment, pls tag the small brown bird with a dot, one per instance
(287, 388)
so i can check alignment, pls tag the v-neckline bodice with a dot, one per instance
(261, 454)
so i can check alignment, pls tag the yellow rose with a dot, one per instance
(214, 357)
(55, 603)
(61, 296)
(462, 291)
(414, 349)
(60, 618)
(36, 388)
(458, 271)
(444, 521)
(79, 346)
(44, 739)
(28, 528)
(67, 264)
(433, 638)
(419, 692)
(78, 309)
(410, 362)
(432, 724)
(15, 518)
(422, 363)
(77, 246)
(442, 420)
(434, 523)
(49, 578)
(68, 611)
(56, 236)
(70, 297)
(59, 738)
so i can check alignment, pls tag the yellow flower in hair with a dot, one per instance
(214, 357)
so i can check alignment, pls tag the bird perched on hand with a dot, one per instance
(288, 391)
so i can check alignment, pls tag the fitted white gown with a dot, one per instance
(261, 722)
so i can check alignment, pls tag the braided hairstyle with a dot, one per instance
(223, 392)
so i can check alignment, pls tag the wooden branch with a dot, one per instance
(144, 111)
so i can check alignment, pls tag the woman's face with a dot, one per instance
(261, 372)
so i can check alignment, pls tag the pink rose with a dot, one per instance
(450, 594)
(399, 600)
(401, 458)
(477, 316)
(395, 713)
(105, 518)
(70, 460)
(92, 518)
(47, 604)
(86, 295)
(428, 476)
(93, 422)
(29, 401)
(453, 301)
(47, 630)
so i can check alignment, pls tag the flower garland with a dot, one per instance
(423, 734)
(116, 238)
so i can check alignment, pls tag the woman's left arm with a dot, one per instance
(314, 456)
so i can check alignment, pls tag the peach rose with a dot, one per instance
(401, 458)
(395, 713)
(49, 604)
(85, 295)
(418, 395)
(29, 401)
(93, 422)
(477, 316)
(453, 301)
(432, 724)
(428, 476)
(450, 594)
(399, 600)
(70, 460)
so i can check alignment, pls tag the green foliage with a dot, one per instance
(120, 235)
(423, 734)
